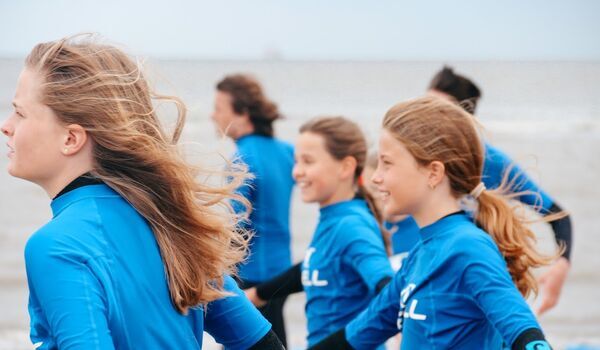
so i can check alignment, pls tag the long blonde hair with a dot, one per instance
(100, 88)
(436, 130)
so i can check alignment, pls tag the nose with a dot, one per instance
(6, 128)
(296, 171)
(376, 178)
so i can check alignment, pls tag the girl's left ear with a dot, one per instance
(348, 167)
(75, 139)
(437, 170)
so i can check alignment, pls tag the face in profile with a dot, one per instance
(224, 116)
(315, 169)
(401, 182)
(35, 135)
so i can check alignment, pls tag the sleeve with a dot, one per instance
(233, 321)
(379, 321)
(498, 164)
(286, 283)
(487, 279)
(562, 229)
(365, 252)
(532, 338)
(68, 294)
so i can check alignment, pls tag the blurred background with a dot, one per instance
(537, 63)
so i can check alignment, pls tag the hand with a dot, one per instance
(551, 283)
(253, 297)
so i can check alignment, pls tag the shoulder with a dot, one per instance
(469, 243)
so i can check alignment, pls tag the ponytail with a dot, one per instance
(368, 197)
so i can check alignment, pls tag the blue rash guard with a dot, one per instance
(495, 165)
(453, 292)
(270, 161)
(97, 281)
(343, 264)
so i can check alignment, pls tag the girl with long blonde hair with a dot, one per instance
(137, 252)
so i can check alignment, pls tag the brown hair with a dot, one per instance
(461, 88)
(100, 88)
(343, 138)
(433, 129)
(248, 97)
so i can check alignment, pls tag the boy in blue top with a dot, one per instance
(345, 264)
(462, 285)
(132, 258)
(243, 113)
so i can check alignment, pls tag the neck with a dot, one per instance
(344, 193)
(242, 130)
(436, 208)
(57, 183)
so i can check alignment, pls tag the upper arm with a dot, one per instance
(366, 254)
(233, 321)
(487, 278)
(68, 294)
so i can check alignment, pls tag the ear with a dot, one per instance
(437, 171)
(348, 167)
(75, 138)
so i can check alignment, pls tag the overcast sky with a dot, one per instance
(316, 29)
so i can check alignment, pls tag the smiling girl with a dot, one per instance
(345, 264)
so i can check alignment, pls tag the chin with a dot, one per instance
(390, 211)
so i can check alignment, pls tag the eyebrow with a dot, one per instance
(15, 105)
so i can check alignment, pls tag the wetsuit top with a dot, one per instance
(453, 292)
(97, 281)
(343, 264)
(270, 161)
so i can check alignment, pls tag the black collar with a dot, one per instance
(83, 180)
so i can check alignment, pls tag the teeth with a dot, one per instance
(303, 184)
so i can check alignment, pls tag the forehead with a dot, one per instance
(28, 88)
(389, 146)
(309, 142)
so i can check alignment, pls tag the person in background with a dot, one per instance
(243, 113)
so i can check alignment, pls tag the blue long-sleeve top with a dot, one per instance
(97, 281)
(343, 264)
(453, 292)
(495, 167)
(270, 161)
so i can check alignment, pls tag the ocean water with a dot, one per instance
(546, 115)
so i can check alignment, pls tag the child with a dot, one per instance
(346, 263)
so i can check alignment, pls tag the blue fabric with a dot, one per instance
(497, 163)
(404, 235)
(453, 292)
(97, 281)
(270, 161)
(343, 264)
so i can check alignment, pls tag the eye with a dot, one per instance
(19, 114)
